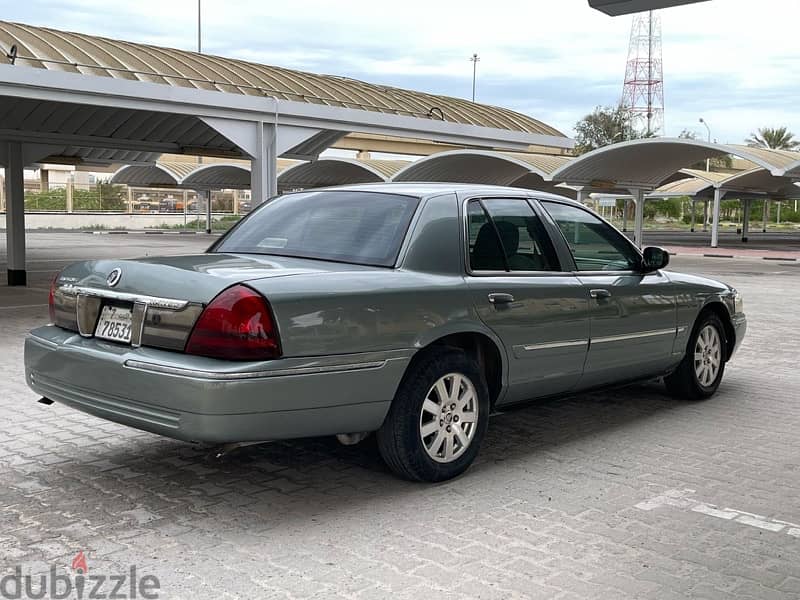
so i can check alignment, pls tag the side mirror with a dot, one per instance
(654, 258)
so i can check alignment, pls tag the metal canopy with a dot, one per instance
(338, 171)
(159, 174)
(640, 166)
(760, 182)
(616, 8)
(218, 176)
(194, 176)
(78, 99)
(517, 169)
(645, 164)
(691, 186)
(60, 51)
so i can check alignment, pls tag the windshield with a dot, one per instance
(347, 226)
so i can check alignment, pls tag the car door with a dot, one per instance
(539, 311)
(633, 314)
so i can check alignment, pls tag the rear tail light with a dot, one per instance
(236, 325)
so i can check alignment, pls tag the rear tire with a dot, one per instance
(438, 418)
(701, 370)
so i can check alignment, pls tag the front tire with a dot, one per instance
(438, 418)
(701, 370)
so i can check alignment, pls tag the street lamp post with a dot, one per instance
(474, 59)
(199, 30)
(708, 168)
(708, 129)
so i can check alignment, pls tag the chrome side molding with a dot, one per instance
(635, 336)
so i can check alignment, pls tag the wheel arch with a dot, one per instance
(718, 308)
(483, 346)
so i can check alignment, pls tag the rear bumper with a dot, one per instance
(206, 400)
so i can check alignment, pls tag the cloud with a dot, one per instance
(728, 61)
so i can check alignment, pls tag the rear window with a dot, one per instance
(346, 226)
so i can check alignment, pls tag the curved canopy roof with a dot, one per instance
(760, 182)
(753, 183)
(79, 53)
(516, 169)
(216, 175)
(166, 174)
(690, 186)
(646, 163)
(338, 171)
(480, 166)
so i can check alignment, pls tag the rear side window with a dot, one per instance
(507, 235)
(595, 246)
(346, 226)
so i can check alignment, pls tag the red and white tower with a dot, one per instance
(643, 92)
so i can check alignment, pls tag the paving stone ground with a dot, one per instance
(620, 494)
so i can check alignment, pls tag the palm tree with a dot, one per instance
(779, 138)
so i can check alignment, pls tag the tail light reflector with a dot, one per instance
(236, 325)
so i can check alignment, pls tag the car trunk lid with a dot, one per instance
(159, 299)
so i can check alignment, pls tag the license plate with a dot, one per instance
(114, 324)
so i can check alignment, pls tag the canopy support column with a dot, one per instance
(718, 193)
(625, 214)
(206, 195)
(746, 219)
(765, 216)
(264, 165)
(694, 203)
(638, 220)
(15, 214)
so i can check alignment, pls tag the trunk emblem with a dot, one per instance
(114, 277)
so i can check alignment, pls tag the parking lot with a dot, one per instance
(620, 494)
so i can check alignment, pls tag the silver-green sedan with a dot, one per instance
(410, 310)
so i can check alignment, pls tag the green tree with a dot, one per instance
(779, 138)
(604, 126)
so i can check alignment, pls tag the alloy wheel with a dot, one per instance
(707, 355)
(449, 417)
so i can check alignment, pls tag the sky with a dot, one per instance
(736, 63)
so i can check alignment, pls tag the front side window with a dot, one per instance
(346, 226)
(595, 246)
(506, 235)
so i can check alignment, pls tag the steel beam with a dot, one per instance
(15, 214)
(264, 165)
(75, 88)
(746, 219)
(718, 194)
(638, 220)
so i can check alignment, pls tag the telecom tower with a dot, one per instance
(643, 92)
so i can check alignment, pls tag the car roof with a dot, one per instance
(424, 189)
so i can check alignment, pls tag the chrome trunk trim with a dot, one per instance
(168, 303)
(222, 376)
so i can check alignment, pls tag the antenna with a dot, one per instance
(643, 90)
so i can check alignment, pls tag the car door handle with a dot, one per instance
(599, 293)
(499, 298)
